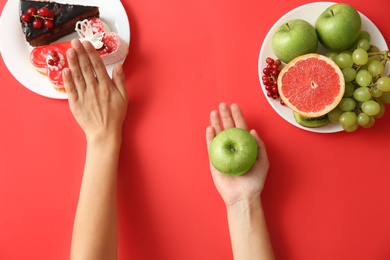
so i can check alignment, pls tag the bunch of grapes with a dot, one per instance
(270, 78)
(366, 88)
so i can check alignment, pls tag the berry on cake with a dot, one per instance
(44, 22)
(51, 59)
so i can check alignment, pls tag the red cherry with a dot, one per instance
(26, 18)
(37, 23)
(43, 11)
(32, 11)
(50, 62)
(48, 24)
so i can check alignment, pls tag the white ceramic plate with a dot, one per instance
(16, 51)
(310, 13)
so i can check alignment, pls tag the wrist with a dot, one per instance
(245, 205)
(102, 138)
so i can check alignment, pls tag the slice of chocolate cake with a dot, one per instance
(44, 22)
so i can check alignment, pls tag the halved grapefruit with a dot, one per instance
(311, 85)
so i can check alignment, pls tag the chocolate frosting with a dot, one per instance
(62, 14)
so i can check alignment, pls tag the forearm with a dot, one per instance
(95, 226)
(248, 231)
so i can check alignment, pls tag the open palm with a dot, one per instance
(243, 187)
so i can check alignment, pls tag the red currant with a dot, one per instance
(26, 18)
(37, 23)
(43, 12)
(32, 11)
(270, 76)
(50, 14)
(50, 62)
(269, 61)
(48, 24)
(56, 58)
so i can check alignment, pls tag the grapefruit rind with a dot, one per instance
(311, 85)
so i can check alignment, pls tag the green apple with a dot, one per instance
(233, 151)
(294, 38)
(338, 27)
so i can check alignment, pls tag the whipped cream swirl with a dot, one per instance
(85, 31)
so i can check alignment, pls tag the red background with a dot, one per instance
(326, 195)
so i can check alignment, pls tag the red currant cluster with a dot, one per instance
(55, 60)
(42, 17)
(270, 76)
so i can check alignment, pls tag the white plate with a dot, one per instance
(310, 13)
(16, 51)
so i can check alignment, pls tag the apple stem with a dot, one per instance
(232, 149)
(331, 12)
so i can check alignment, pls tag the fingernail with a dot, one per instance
(70, 53)
(75, 43)
(65, 72)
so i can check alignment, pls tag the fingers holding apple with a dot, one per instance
(229, 116)
(232, 116)
(262, 156)
(232, 149)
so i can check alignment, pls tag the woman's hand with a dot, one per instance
(243, 187)
(241, 194)
(98, 103)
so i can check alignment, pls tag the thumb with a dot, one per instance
(118, 77)
(262, 150)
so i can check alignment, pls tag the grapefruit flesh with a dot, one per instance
(311, 85)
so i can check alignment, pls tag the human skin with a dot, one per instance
(99, 105)
(242, 194)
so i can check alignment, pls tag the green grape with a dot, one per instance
(360, 56)
(349, 89)
(371, 107)
(364, 35)
(349, 52)
(334, 115)
(374, 57)
(351, 128)
(347, 104)
(382, 110)
(374, 48)
(363, 119)
(363, 78)
(385, 98)
(370, 123)
(348, 119)
(375, 92)
(364, 44)
(383, 83)
(375, 67)
(344, 60)
(362, 94)
(332, 55)
(349, 74)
